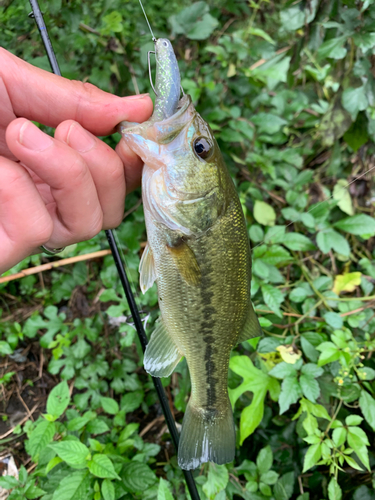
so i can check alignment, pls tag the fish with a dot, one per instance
(198, 253)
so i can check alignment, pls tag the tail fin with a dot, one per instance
(207, 436)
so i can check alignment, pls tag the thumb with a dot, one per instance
(50, 99)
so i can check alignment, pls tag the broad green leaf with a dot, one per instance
(137, 476)
(342, 195)
(40, 437)
(367, 405)
(330, 239)
(310, 387)
(72, 452)
(290, 393)
(73, 487)
(354, 100)
(217, 479)
(333, 48)
(329, 353)
(258, 383)
(358, 442)
(264, 459)
(298, 242)
(282, 370)
(284, 487)
(357, 224)
(97, 426)
(346, 282)
(273, 298)
(334, 490)
(102, 466)
(58, 399)
(264, 213)
(312, 370)
(353, 420)
(339, 436)
(334, 320)
(269, 477)
(312, 456)
(9, 482)
(109, 405)
(52, 463)
(108, 490)
(164, 491)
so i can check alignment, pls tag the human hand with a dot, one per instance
(62, 190)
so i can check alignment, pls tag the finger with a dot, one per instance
(133, 166)
(25, 224)
(75, 207)
(50, 99)
(105, 166)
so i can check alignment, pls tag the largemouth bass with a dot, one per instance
(198, 253)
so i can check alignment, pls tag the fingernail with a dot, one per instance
(79, 139)
(31, 137)
(139, 96)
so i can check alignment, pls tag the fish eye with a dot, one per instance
(165, 43)
(202, 147)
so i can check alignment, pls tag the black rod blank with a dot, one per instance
(37, 14)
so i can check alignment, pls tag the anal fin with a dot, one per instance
(147, 270)
(162, 354)
(251, 327)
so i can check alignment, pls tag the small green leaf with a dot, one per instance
(269, 477)
(58, 399)
(312, 456)
(9, 482)
(298, 242)
(273, 298)
(164, 491)
(357, 224)
(217, 479)
(290, 393)
(367, 404)
(353, 420)
(264, 214)
(109, 405)
(264, 459)
(334, 490)
(108, 490)
(339, 436)
(310, 387)
(354, 100)
(73, 487)
(284, 487)
(40, 437)
(334, 320)
(102, 466)
(137, 477)
(72, 452)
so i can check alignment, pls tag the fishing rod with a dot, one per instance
(190, 483)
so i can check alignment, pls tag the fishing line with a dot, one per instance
(144, 12)
(316, 206)
(164, 402)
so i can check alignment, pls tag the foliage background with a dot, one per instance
(288, 87)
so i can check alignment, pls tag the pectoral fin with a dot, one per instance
(251, 328)
(162, 354)
(147, 270)
(186, 262)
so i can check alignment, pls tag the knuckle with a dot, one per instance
(77, 172)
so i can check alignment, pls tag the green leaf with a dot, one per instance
(330, 353)
(40, 437)
(269, 477)
(358, 443)
(312, 370)
(330, 239)
(9, 482)
(264, 460)
(333, 48)
(310, 387)
(298, 294)
(312, 456)
(264, 213)
(334, 490)
(273, 298)
(268, 123)
(334, 320)
(367, 405)
(342, 195)
(258, 383)
(339, 436)
(108, 490)
(109, 405)
(354, 100)
(164, 491)
(290, 393)
(284, 487)
(298, 242)
(5, 348)
(73, 487)
(58, 399)
(353, 420)
(137, 477)
(102, 466)
(72, 452)
(261, 33)
(217, 479)
(357, 224)
(282, 370)
(97, 426)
